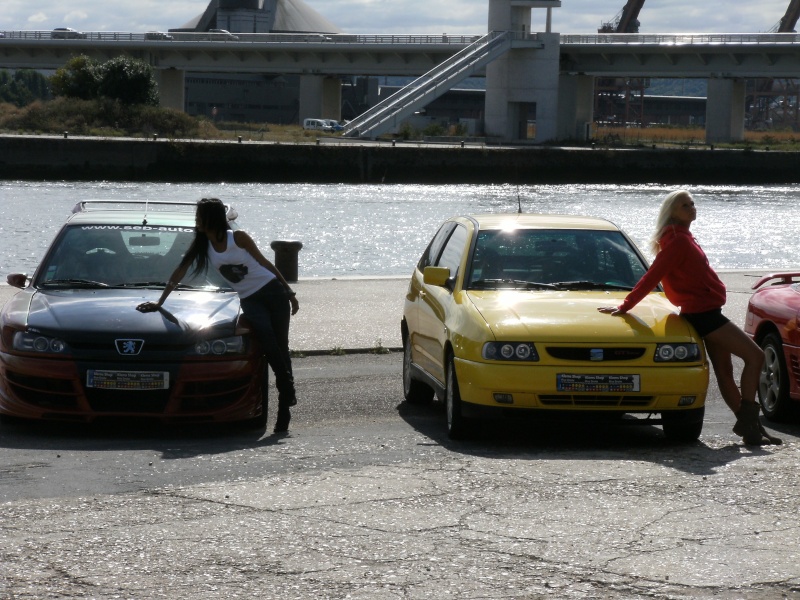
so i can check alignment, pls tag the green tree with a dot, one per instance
(23, 87)
(79, 78)
(128, 80)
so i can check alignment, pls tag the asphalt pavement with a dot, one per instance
(391, 510)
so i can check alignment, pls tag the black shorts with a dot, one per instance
(706, 322)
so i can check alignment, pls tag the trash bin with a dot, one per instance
(286, 252)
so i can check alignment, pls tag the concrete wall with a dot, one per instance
(53, 158)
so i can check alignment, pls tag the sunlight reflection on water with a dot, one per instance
(363, 230)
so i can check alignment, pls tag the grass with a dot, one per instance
(107, 118)
(689, 137)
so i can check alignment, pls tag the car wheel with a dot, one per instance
(683, 425)
(415, 392)
(773, 384)
(456, 424)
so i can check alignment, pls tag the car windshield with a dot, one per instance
(121, 256)
(576, 259)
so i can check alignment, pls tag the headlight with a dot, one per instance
(25, 341)
(677, 353)
(220, 346)
(515, 351)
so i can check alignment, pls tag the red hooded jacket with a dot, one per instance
(682, 268)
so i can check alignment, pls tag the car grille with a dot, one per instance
(593, 354)
(585, 400)
(61, 395)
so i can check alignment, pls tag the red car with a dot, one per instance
(772, 322)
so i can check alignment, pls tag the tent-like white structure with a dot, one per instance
(260, 16)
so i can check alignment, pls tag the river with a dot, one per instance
(381, 230)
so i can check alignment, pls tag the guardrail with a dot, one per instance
(679, 39)
(273, 38)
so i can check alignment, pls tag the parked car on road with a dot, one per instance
(771, 320)
(74, 347)
(317, 124)
(501, 320)
(67, 33)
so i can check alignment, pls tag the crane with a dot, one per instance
(789, 20)
(776, 102)
(626, 20)
(612, 93)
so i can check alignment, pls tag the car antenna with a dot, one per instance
(519, 202)
(146, 207)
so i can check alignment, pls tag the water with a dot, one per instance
(369, 230)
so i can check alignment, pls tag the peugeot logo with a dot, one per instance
(129, 347)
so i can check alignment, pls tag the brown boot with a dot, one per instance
(748, 425)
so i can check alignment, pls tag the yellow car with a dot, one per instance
(501, 317)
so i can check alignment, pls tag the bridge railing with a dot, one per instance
(271, 38)
(678, 39)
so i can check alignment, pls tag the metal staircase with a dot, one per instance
(389, 113)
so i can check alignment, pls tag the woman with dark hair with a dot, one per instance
(265, 296)
(689, 282)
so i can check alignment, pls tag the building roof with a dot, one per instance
(290, 16)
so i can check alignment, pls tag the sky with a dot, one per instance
(404, 16)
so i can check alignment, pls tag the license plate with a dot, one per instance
(569, 382)
(127, 380)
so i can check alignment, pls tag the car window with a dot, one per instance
(453, 250)
(433, 250)
(120, 255)
(554, 256)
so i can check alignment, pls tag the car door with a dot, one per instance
(436, 303)
(418, 290)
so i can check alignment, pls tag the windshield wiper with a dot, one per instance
(67, 283)
(589, 285)
(517, 284)
(161, 284)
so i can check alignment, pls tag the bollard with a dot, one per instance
(66, 134)
(155, 137)
(240, 139)
(286, 252)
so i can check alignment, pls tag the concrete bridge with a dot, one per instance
(547, 74)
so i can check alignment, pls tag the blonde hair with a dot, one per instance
(665, 217)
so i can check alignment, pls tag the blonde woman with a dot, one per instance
(681, 266)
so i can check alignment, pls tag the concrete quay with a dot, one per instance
(388, 508)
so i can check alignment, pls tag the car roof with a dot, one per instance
(122, 212)
(540, 221)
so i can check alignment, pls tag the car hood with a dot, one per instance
(573, 317)
(85, 314)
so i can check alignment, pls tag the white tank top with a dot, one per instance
(239, 268)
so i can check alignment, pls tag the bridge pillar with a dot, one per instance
(320, 97)
(725, 110)
(522, 85)
(575, 107)
(171, 88)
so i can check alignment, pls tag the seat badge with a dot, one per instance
(129, 347)
(596, 354)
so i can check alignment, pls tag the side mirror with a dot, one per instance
(17, 280)
(436, 276)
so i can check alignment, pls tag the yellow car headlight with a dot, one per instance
(677, 353)
(514, 351)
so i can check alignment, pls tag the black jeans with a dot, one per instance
(268, 312)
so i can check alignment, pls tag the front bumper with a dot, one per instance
(534, 386)
(220, 390)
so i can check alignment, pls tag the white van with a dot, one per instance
(319, 124)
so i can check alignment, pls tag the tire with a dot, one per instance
(683, 425)
(773, 384)
(415, 392)
(456, 423)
